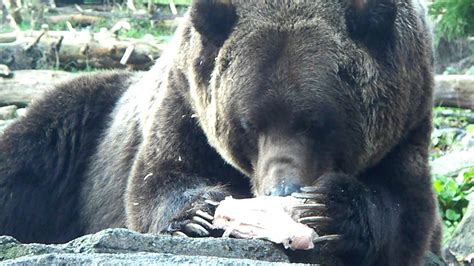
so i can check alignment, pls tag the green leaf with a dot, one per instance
(458, 198)
(451, 188)
(470, 172)
(471, 71)
(438, 186)
(452, 215)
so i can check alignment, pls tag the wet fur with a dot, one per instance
(145, 151)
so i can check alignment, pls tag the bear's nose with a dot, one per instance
(284, 189)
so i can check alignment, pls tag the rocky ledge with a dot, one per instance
(127, 247)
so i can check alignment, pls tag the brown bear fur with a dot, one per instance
(252, 98)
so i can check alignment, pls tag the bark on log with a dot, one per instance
(8, 37)
(454, 91)
(109, 14)
(77, 50)
(25, 85)
(451, 91)
(78, 19)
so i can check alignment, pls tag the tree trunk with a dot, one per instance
(151, 7)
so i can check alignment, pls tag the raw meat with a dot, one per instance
(267, 217)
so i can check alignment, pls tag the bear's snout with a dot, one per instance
(282, 177)
(283, 165)
(284, 189)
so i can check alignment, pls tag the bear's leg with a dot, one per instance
(177, 176)
(173, 203)
(386, 216)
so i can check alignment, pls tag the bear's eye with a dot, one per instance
(302, 126)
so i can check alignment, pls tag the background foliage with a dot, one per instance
(455, 18)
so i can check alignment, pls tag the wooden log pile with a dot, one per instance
(76, 50)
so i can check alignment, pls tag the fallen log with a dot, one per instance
(110, 14)
(77, 19)
(25, 85)
(450, 91)
(8, 37)
(77, 50)
(454, 91)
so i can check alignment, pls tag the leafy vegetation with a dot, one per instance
(177, 2)
(450, 124)
(140, 28)
(452, 192)
(454, 17)
(452, 189)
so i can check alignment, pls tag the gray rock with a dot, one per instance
(4, 124)
(10, 248)
(120, 241)
(21, 112)
(121, 246)
(126, 241)
(135, 259)
(452, 163)
(433, 260)
(8, 112)
(460, 248)
(468, 140)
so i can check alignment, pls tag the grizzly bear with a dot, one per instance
(252, 98)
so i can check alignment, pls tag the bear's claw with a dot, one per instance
(179, 233)
(204, 215)
(326, 238)
(203, 223)
(310, 189)
(200, 225)
(316, 211)
(307, 195)
(195, 229)
(212, 202)
(309, 206)
(314, 219)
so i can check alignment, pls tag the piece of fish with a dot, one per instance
(268, 217)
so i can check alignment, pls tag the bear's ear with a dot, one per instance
(214, 19)
(371, 20)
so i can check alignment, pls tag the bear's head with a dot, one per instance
(287, 91)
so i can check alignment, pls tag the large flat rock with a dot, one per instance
(132, 259)
(126, 242)
(123, 246)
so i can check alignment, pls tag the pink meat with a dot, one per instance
(270, 218)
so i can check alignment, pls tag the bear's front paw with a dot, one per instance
(336, 207)
(196, 219)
